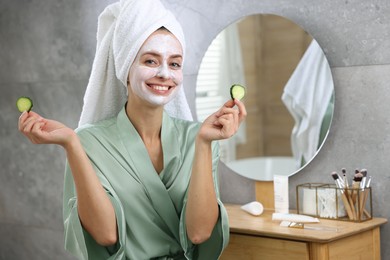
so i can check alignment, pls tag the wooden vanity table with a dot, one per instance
(258, 237)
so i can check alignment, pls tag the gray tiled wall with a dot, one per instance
(46, 51)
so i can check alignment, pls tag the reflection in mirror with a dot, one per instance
(289, 94)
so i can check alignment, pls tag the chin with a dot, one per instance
(159, 100)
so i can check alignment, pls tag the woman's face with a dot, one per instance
(156, 74)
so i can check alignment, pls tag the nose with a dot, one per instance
(163, 72)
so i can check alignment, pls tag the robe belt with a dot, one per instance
(179, 256)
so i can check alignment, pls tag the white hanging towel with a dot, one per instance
(306, 96)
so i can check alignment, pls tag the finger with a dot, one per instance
(233, 115)
(36, 132)
(26, 127)
(218, 121)
(25, 118)
(30, 122)
(29, 115)
(226, 120)
(226, 110)
(242, 110)
(227, 128)
(229, 103)
(233, 121)
(36, 129)
(34, 114)
(22, 118)
(27, 124)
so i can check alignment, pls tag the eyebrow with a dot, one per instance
(174, 56)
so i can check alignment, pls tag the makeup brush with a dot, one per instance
(344, 196)
(365, 194)
(354, 192)
(363, 183)
(345, 179)
(337, 180)
(357, 178)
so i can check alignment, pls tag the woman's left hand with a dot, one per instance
(202, 205)
(224, 123)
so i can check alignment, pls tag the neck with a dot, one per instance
(147, 120)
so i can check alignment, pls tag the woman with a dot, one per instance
(141, 184)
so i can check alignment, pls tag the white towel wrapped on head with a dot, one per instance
(122, 29)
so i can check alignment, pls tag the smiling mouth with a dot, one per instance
(159, 89)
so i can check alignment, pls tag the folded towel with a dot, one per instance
(122, 29)
(307, 95)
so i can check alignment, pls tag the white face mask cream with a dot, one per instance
(156, 74)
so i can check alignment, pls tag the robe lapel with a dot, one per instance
(146, 173)
(171, 149)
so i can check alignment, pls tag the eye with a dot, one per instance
(176, 65)
(150, 62)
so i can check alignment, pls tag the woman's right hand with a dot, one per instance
(44, 131)
(95, 209)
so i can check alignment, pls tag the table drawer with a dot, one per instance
(247, 247)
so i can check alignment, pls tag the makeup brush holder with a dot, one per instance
(327, 201)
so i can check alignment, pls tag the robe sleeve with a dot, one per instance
(213, 247)
(77, 240)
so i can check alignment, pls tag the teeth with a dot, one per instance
(160, 88)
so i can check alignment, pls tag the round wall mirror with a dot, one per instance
(289, 94)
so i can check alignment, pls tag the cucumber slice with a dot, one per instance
(237, 91)
(24, 104)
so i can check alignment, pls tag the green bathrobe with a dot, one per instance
(149, 207)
